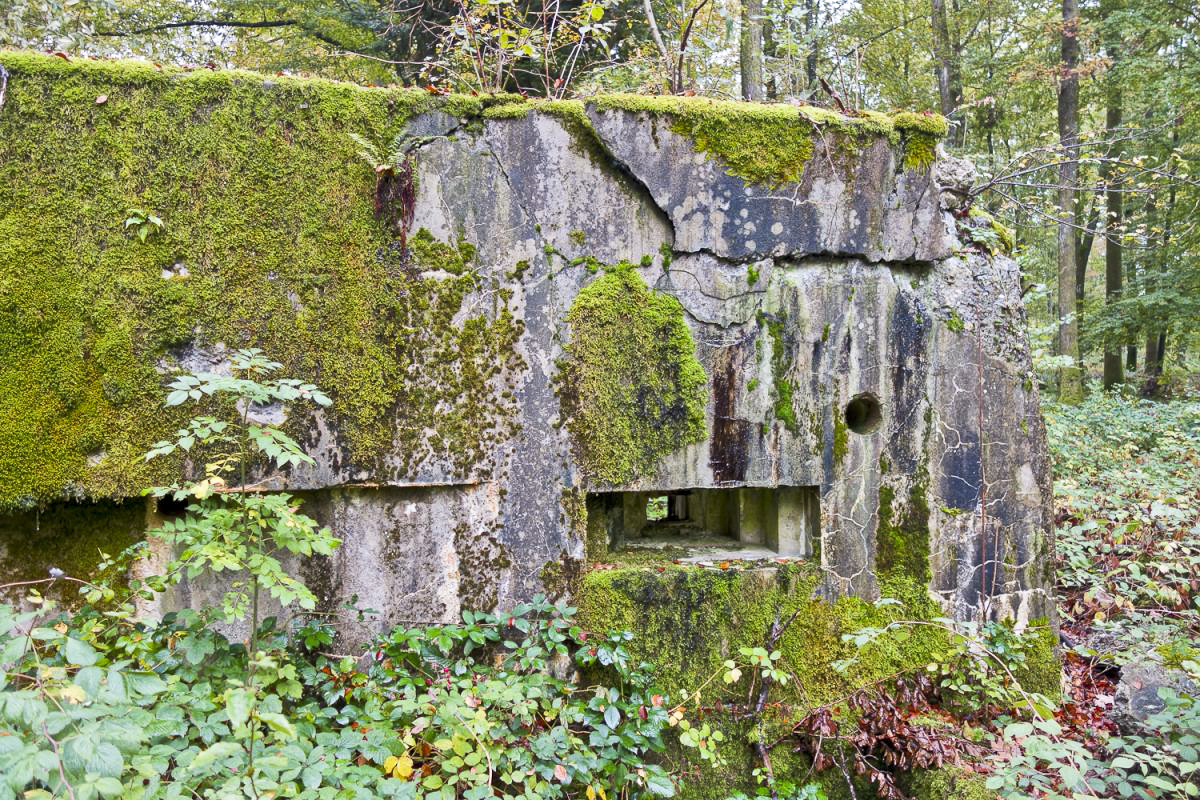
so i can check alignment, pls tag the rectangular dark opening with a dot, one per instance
(745, 522)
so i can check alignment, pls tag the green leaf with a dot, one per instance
(80, 653)
(238, 703)
(612, 717)
(217, 752)
(278, 723)
(109, 787)
(658, 781)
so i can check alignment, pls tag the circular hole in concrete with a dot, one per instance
(863, 413)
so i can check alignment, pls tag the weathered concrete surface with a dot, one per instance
(852, 282)
(849, 204)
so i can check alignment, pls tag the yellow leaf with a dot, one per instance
(74, 694)
(404, 768)
(591, 793)
(603, 796)
(390, 763)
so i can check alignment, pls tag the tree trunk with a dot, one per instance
(1156, 342)
(949, 71)
(1083, 245)
(751, 50)
(1114, 270)
(656, 34)
(1114, 372)
(1070, 380)
(810, 31)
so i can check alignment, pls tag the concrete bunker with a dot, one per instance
(603, 301)
(747, 523)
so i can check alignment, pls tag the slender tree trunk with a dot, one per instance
(949, 70)
(811, 8)
(1114, 273)
(1114, 269)
(1156, 341)
(1070, 380)
(1131, 281)
(751, 50)
(656, 34)
(1083, 249)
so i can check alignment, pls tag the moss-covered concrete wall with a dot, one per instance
(749, 270)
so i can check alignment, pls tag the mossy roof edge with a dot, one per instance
(140, 72)
(137, 72)
(863, 122)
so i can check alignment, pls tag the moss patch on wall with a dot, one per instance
(902, 534)
(772, 144)
(686, 620)
(784, 391)
(633, 390)
(269, 240)
(70, 537)
(1042, 671)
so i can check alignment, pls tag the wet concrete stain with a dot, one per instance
(729, 448)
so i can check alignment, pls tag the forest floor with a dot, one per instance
(1127, 496)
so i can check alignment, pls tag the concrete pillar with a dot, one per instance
(153, 561)
(599, 526)
(633, 514)
(750, 519)
(720, 512)
(796, 516)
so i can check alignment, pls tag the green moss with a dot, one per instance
(920, 151)
(70, 537)
(1042, 671)
(751, 275)
(771, 144)
(902, 535)
(667, 254)
(633, 390)
(989, 232)
(785, 409)
(946, 783)
(269, 208)
(841, 436)
(955, 322)
(687, 620)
